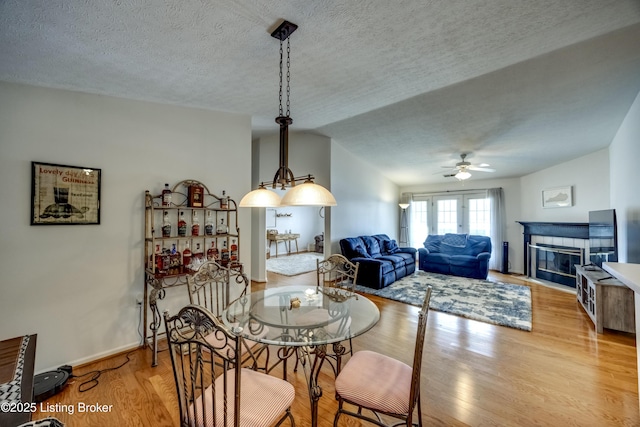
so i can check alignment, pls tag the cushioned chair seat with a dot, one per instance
(375, 380)
(255, 410)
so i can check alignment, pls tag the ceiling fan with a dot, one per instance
(463, 167)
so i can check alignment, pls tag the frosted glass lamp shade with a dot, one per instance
(260, 198)
(403, 205)
(462, 175)
(308, 194)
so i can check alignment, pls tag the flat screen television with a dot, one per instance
(603, 237)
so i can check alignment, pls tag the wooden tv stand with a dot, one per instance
(607, 301)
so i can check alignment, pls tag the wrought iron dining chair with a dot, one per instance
(337, 272)
(383, 385)
(209, 287)
(335, 275)
(213, 389)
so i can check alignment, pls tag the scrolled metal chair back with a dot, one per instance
(209, 286)
(338, 272)
(197, 362)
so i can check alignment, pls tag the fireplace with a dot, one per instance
(552, 249)
(555, 263)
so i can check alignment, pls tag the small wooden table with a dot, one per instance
(286, 238)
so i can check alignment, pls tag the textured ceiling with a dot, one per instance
(406, 85)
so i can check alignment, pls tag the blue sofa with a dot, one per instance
(456, 254)
(381, 261)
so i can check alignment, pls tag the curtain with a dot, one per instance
(497, 217)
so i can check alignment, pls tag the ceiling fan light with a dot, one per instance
(260, 198)
(462, 175)
(308, 194)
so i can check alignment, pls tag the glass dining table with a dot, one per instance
(303, 320)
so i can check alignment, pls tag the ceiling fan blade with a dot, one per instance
(476, 168)
(449, 175)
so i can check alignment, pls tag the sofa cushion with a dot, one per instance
(409, 258)
(473, 248)
(455, 240)
(372, 245)
(432, 244)
(437, 258)
(450, 250)
(360, 251)
(397, 261)
(463, 260)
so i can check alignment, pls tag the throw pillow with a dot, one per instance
(474, 248)
(391, 246)
(456, 240)
(432, 244)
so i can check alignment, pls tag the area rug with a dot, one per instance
(292, 265)
(499, 303)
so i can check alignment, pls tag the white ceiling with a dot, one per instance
(406, 85)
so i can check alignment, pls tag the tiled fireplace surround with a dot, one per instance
(555, 235)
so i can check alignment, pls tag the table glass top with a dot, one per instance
(301, 315)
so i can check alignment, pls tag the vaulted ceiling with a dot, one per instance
(406, 85)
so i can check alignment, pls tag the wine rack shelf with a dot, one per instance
(185, 225)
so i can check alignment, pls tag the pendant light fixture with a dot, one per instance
(306, 192)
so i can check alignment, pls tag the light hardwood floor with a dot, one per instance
(562, 373)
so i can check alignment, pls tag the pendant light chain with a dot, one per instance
(288, 73)
(280, 93)
(288, 76)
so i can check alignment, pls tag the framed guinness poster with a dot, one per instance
(64, 195)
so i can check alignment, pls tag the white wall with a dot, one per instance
(589, 176)
(75, 286)
(624, 155)
(367, 201)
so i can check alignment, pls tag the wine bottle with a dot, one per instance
(222, 229)
(165, 261)
(158, 260)
(198, 254)
(174, 260)
(166, 225)
(182, 225)
(212, 252)
(208, 225)
(166, 196)
(195, 224)
(234, 251)
(224, 202)
(224, 254)
(186, 256)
